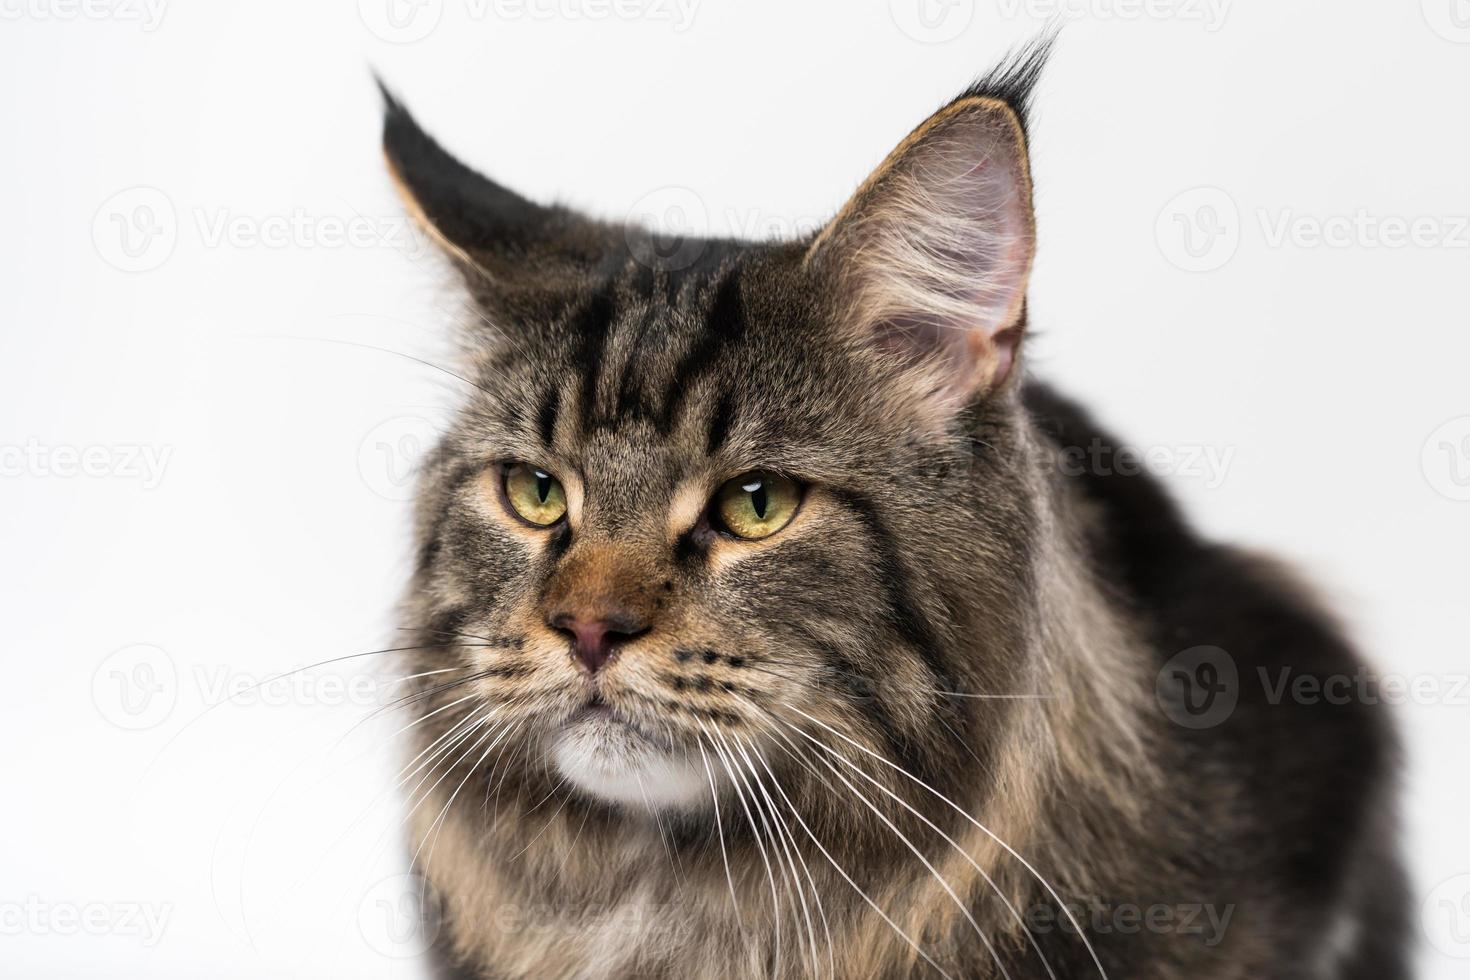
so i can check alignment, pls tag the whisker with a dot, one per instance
(483, 721)
(1010, 907)
(255, 687)
(425, 717)
(414, 697)
(659, 824)
(438, 632)
(470, 717)
(913, 848)
(816, 896)
(437, 823)
(572, 847)
(827, 669)
(755, 834)
(986, 830)
(428, 673)
(374, 347)
(778, 845)
(545, 826)
(548, 795)
(793, 855)
(720, 836)
(837, 865)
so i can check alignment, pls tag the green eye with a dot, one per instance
(536, 496)
(757, 504)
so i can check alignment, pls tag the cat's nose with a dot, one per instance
(596, 638)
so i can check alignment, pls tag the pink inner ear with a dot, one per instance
(971, 358)
(1004, 344)
(939, 246)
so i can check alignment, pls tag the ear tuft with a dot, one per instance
(1013, 81)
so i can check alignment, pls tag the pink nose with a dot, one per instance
(594, 641)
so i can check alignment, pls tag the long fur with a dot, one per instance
(927, 710)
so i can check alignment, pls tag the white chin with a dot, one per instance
(607, 759)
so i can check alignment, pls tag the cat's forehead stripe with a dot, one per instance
(546, 414)
(592, 325)
(641, 342)
(723, 325)
(720, 420)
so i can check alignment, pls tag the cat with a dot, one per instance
(764, 632)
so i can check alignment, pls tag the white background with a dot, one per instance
(214, 321)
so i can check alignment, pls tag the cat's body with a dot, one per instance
(929, 725)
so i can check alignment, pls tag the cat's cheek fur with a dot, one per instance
(610, 762)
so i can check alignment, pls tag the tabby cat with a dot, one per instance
(765, 631)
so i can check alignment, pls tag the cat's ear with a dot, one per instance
(930, 257)
(494, 235)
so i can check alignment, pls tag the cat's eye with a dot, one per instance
(535, 495)
(756, 504)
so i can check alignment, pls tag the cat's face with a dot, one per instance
(689, 511)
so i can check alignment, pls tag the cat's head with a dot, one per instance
(703, 497)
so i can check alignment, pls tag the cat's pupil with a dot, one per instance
(543, 486)
(758, 500)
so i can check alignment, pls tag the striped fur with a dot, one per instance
(925, 710)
